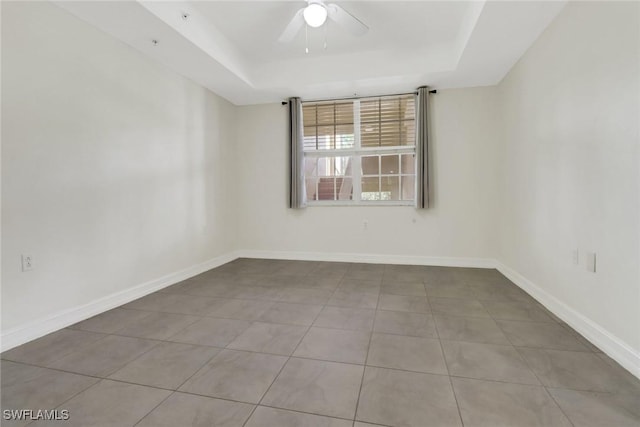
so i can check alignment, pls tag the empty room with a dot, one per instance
(320, 213)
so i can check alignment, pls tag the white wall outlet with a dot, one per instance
(365, 224)
(591, 262)
(27, 263)
(576, 257)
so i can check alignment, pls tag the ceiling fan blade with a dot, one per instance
(294, 26)
(346, 20)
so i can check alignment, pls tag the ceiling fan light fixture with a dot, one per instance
(315, 15)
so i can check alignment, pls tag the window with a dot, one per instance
(360, 151)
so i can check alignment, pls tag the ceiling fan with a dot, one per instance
(315, 15)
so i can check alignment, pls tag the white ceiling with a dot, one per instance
(231, 47)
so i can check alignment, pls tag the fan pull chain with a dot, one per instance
(326, 24)
(306, 39)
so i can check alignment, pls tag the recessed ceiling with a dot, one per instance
(256, 27)
(232, 48)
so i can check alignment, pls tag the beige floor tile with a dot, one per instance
(158, 326)
(269, 338)
(212, 332)
(490, 404)
(105, 356)
(323, 388)
(457, 307)
(403, 303)
(589, 409)
(110, 403)
(515, 310)
(629, 383)
(364, 274)
(573, 370)
(191, 304)
(337, 345)
(217, 290)
(413, 324)
(499, 292)
(449, 290)
(46, 350)
(305, 296)
(167, 365)
(197, 411)
(291, 314)
(403, 288)
(408, 353)
(266, 417)
(487, 361)
(31, 387)
(241, 309)
(472, 329)
(330, 269)
(328, 282)
(402, 398)
(361, 424)
(261, 293)
(353, 299)
(236, 375)
(152, 302)
(111, 321)
(358, 319)
(364, 286)
(539, 335)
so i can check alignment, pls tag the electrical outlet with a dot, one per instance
(27, 263)
(591, 262)
(365, 224)
(576, 257)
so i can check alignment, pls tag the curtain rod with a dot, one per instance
(358, 97)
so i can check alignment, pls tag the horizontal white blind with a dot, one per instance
(384, 122)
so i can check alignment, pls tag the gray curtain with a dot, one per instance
(422, 148)
(297, 196)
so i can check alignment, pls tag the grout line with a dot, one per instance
(299, 412)
(283, 366)
(158, 342)
(330, 361)
(154, 408)
(73, 396)
(446, 364)
(558, 405)
(364, 369)
(524, 359)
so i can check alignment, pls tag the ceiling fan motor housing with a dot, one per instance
(315, 14)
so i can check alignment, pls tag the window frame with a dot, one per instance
(358, 152)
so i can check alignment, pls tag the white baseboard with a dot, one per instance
(40, 327)
(614, 347)
(370, 258)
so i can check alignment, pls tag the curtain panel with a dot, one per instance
(297, 196)
(422, 148)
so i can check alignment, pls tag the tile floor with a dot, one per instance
(292, 343)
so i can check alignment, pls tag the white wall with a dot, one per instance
(570, 114)
(115, 171)
(459, 226)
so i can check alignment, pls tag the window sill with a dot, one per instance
(406, 203)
